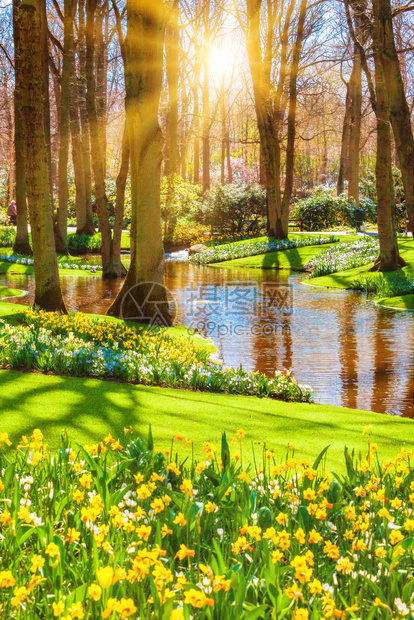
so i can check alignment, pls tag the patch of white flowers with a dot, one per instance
(253, 248)
(344, 256)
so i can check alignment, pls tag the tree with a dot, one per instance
(144, 72)
(262, 25)
(381, 31)
(22, 243)
(33, 71)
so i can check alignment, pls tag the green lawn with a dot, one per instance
(405, 302)
(9, 292)
(89, 409)
(294, 259)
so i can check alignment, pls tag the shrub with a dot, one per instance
(84, 243)
(119, 529)
(187, 232)
(230, 207)
(368, 191)
(322, 210)
(179, 200)
(7, 236)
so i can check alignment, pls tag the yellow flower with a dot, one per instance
(396, 537)
(58, 608)
(76, 611)
(95, 591)
(367, 429)
(85, 480)
(294, 592)
(179, 519)
(104, 575)
(197, 599)
(52, 550)
(37, 562)
(309, 494)
(126, 608)
(4, 438)
(111, 606)
(211, 507)
(184, 553)
(344, 565)
(300, 614)
(72, 535)
(315, 586)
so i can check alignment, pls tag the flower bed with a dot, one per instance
(344, 256)
(117, 530)
(252, 248)
(7, 236)
(63, 263)
(80, 346)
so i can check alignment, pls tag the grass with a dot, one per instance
(89, 408)
(9, 292)
(404, 302)
(294, 259)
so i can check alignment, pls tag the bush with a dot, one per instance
(7, 236)
(84, 243)
(322, 210)
(385, 284)
(187, 232)
(179, 200)
(230, 207)
(367, 186)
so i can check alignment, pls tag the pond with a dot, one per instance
(352, 352)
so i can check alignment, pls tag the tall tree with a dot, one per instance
(64, 132)
(112, 266)
(143, 288)
(262, 24)
(22, 243)
(33, 67)
(172, 48)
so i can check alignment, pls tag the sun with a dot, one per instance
(221, 60)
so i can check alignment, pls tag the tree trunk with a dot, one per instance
(355, 92)
(343, 161)
(89, 227)
(206, 99)
(223, 131)
(293, 96)
(399, 112)
(229, 168)
(108, 269)
(77, 155)
(120, 205)
(33, 65)
(389, 259)
(64, 104)
(143, 296)
(22, 243)
(172, 46)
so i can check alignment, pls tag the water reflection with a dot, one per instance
(352, 352)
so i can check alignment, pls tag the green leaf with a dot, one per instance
(257, 612)
(304, 515)
(320, 457)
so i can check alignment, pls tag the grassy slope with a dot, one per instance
(287, 259)
(405, 302)
(345, 279)
(11, 312)
(89, 408)
(9, 292)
